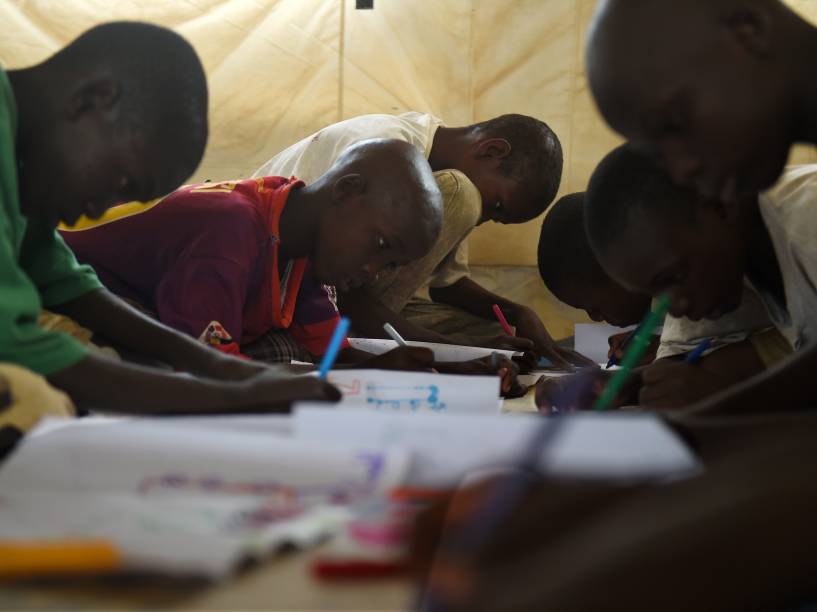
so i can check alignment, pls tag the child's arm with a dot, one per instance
(368, 314)
(103, 384)
(473, 298)
(790, 385)
(666, 383)
(107, 315)
(672, 383)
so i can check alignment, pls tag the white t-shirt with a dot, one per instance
(789, 210)
(311, 157)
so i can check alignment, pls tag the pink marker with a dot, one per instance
(502, 320)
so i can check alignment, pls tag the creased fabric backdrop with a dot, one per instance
(281, 69)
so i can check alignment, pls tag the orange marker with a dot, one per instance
(28, 558)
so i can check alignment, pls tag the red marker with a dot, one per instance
(502, 320)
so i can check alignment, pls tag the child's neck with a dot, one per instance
(762, 267)
(446, 149)
(299, 222)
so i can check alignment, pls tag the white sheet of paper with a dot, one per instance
(591, 339)
(442, 352)
(416, 392)
(445, 448)
(186, 499)
(530, 379)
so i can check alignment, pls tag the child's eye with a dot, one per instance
(382, 244)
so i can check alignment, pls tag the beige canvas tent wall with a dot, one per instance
(281, 69)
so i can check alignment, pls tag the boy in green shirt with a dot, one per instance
(119, 114)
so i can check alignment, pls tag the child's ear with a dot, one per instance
(348, 186)
(492, 148)
(750, 24)
(99, 94)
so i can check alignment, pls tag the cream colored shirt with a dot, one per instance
(311, 157)
(447, 261)
(681, 335)
(789, 210)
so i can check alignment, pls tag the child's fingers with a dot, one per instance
(506, 380)
(421, 354)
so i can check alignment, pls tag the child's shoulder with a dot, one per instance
(792, 201)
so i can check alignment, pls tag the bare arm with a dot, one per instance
(673, 383)
(113, 318)
(789, 385)
(103, 384)
(368, 314)
(477, 300)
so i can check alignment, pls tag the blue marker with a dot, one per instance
(334, 347)
(696, 354)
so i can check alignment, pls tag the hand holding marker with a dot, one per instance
(502, 320)
(636, 349)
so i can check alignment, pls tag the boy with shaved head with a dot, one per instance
(230, 262)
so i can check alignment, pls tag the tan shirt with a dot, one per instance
(447, 262)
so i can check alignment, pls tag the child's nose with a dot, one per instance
(680, 305)
(371, 270)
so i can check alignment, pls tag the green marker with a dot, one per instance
(634, 352)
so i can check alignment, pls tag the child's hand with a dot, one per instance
(497, 364)
(577, 391)
(271, 394)
(616, 342)
(415, 358)
(529, 325)
(674, 384)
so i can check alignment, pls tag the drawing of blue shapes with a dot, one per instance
(412, 397)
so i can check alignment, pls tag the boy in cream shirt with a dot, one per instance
(506, 170)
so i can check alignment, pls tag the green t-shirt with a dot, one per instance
(37, 269)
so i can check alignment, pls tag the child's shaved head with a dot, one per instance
(386, 212)
(710, 85)
(572, 273)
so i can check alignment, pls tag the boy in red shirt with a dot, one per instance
(234, 263)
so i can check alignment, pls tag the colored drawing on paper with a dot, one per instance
(348, 389)
(413, 397)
